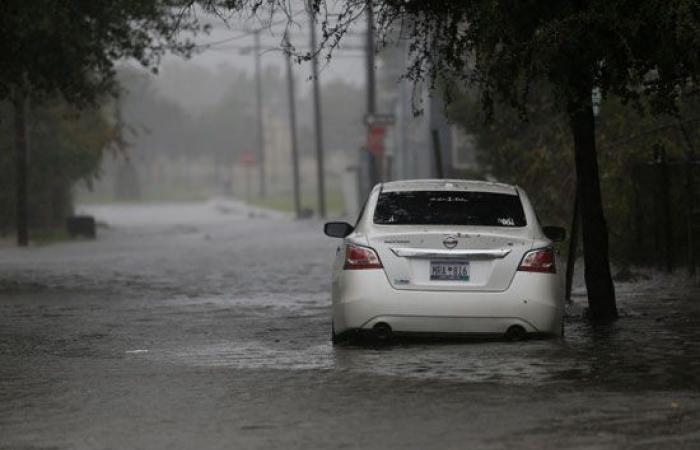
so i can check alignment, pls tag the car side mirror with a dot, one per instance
(338, 229)
(556, 234)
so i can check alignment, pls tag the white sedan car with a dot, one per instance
(447, 256)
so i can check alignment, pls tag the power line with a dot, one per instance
(218, 44)
(223, 41)
(245, 32)
(247, 51)
(251, 31)
(266, 48)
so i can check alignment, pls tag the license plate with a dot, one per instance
(449, 271)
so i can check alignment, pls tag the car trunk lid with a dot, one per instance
(451, 258)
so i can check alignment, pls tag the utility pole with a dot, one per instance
(318, 125)
(437, 152)
(372, 160)
(21, 168)
(258, 98)
(293, 126)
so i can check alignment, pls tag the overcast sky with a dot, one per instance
(230, 46)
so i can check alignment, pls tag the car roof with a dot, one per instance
(449, 185)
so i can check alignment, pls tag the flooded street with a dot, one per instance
(207, 326)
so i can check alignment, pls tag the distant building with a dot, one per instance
(409, 145)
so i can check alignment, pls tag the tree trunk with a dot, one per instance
(22, 223)
(601, 292)
(573, 246)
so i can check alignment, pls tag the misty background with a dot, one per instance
(190, 133)
(187, 129)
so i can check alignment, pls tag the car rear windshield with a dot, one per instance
(449, 208)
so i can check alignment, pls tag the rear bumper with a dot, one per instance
(363, 298)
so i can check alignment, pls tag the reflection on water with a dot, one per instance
(501, 362)
(199, 335)
(215, 289)
(511, 363)
(643, 350)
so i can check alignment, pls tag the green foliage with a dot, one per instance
(625, 47)
(69, 48)
(66, 146)
(538, 155)
(335, 204)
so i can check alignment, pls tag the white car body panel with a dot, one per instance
(401, 294)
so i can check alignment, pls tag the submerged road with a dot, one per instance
(206, 326)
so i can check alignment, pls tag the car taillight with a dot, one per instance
(540, 260)
(357, 257)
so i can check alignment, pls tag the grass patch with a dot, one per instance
(48, 236)
(335, 205)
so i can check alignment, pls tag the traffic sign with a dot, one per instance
(379, 119)
(375, 139)
(247, 159)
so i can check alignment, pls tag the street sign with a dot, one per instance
(247, 159)
(375, 139)
(379, 119)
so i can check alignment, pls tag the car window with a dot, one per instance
(449, 208)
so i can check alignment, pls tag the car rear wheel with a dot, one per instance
(516, 333)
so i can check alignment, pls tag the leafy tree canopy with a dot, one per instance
(67, 146)
(70, 47)
(627, 48)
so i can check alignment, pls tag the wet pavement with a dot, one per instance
(207, 326)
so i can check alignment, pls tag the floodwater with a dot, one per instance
(207, 326)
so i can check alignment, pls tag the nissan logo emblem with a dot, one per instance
(450, 242)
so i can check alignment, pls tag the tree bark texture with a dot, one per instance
(601, 291)
(21, 210)
(573, 246)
